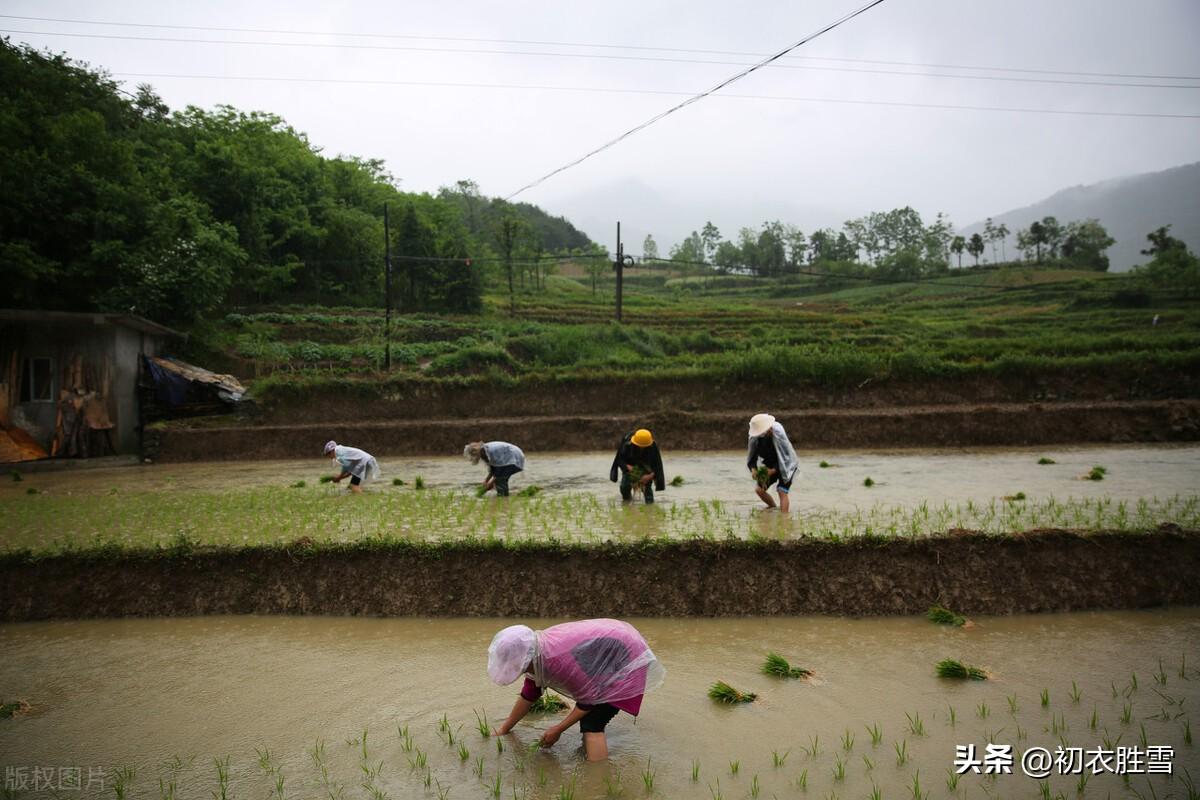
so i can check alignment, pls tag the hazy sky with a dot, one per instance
(736, 161)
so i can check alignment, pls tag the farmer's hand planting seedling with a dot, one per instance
(770, 444)
(604, 664)
(638, 466)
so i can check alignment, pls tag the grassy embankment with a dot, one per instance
(1008, 323)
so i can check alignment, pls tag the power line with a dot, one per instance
(475, 51)
(736, 77)
(539, 87)
(599, 45)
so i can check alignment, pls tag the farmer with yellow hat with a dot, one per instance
(638, 459)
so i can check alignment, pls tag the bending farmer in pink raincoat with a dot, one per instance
(603, 664)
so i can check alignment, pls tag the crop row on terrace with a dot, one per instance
(54, 523)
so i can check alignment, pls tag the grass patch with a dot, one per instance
(722, 692)
(779, 667)
(944, 616)
(950, 668)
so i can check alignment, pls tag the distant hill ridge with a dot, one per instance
(1128, 207)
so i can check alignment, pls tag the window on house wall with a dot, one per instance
(37, 381)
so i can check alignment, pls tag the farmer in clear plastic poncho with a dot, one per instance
(357, 465)
(603, 664)
(769, 442)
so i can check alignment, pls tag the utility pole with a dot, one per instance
(387, 291)
(619, 266)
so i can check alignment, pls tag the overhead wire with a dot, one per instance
(596, 45)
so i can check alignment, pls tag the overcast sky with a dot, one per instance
(736, 161)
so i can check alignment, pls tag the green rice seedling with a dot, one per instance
(724, 693)
(1127, 713)
(952, 780)
(1075, 695)
(1183, 667)
(734, 766)
(915, 724)
(398, 482)
(1043, 461)
(1187, 731)
(299, 484)
(952, 668)
(1013, 498)
(1142, 735)
(1045, 698)
(463, 753)
(1097, 474)
(264, 760)
(715, 793)
(677, 480)
(1114, 689)
(612, 785)
(1081, 784)
(499, 746)
(166, 789)
(123, 779)
(1094, 720)
(566, 791)
(1021, 733)
(876, 733)
(532, 490)
(778, 666)
(953, 715)
(802, 780)
(443, 792)
(868, 762)
(1189, 785)
(364, 744)
(418, 483)
(867, 482)
(695, 770)
(778, 760)
(222, 792)
(479, 767)
(482, 725)
(1044, 788)
(917, 794)
(1012, 703)
(496, 785)
(847, 741)
(326, 479)
(548, 703)
(418, 760)
(648, 777)
(839, 768)
(1133, 682)
(944, 616)
(824, 465)
(754, 787)
(481, 491)
(983, 711)
(901, 752)
(814, 746)
(875, 794)
(1160, 677)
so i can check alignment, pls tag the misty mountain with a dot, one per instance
(1129, 208)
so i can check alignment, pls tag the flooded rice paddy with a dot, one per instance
(318, 707)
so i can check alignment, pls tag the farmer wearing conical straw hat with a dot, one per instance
(638, 464)
(357, 465)
(770, 443)
(603, 664)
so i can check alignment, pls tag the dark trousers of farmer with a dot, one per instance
(627, 489)
(501, 476)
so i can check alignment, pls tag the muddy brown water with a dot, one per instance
(902, 477)
(140, 693)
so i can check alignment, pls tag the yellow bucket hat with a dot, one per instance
(643, 438)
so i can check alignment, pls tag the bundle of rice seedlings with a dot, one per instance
(397, 481)
(1043, 461)
(868, 482)
(299, 485)
(480, 490)
(636, 473)
(944, 616)
(722, 692)
(1097, 474)
(326, 479)
(13, 708)
(548, 703)
(677, 480)
(950, 668)
(762, 476)
(778, 666)
(530, 491)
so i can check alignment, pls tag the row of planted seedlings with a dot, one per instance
(907, 758)
(324, 514)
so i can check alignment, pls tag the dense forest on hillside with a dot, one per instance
(112, 201)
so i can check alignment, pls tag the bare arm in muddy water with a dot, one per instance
(338, 478)
(553, 733)
(519, 710)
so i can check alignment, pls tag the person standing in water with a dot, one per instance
(638, 450)
(603, 664)
(503, 461)
(357, 465)
(769, 442)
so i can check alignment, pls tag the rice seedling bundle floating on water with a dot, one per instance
(868, 482)
(722, 692)
(1097, 474)
(548, 703)
(944, 616)
(950, 668)
(677, 480)
(397, 481)
(1043, 461)
(778, 666)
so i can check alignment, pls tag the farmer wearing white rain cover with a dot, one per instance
(357, 465)
(769, 442)
(603, 664)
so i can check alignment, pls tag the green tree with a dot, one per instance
(975, 247)
(1084, 244)
(1171, 263)
(957, 245)
(710, 237)
(509, 231)
(649, 248)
